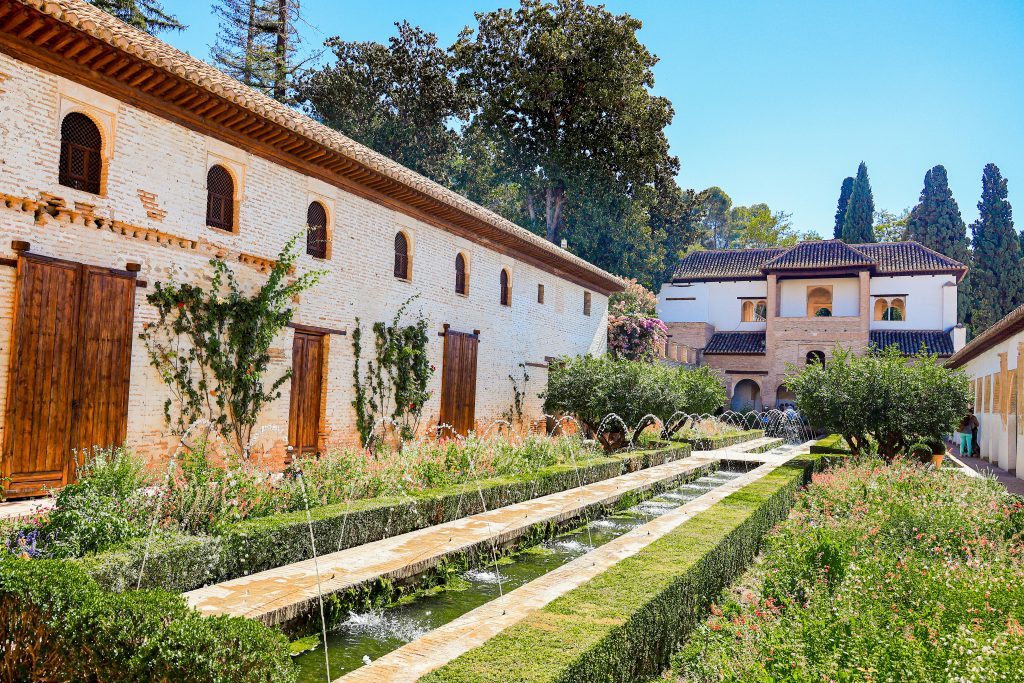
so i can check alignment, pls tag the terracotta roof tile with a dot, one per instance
(743, 343)
(889, 258)
(910, 341)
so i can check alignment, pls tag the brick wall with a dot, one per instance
(156, 179)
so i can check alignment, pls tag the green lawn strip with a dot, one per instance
(623, 624)
(711, 443)
(58, 624)
(181, 563)
(833, 443)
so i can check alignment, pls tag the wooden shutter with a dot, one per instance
(307, 385)
(70, 363)
(458, 381)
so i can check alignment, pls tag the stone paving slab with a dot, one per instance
(16, 509)
(440, 646)
(279, 595)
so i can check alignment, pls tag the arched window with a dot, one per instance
(506, 288)
(461, 280)
(819, 302)
(220, 199)
(747, 312)
(316, 230)
(880, 306)
(816, 357)
(760, 311)
(895, 311)
(402, 256)
(586, 303)
(81, 150)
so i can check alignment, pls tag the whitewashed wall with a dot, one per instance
(793, 296)
(930, 300)
(717, 303)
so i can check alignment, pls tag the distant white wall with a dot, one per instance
(930, 301)
(793, 296)
(716, 303)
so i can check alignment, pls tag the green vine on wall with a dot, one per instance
(514, 413)
(211, 345)
(396, 379)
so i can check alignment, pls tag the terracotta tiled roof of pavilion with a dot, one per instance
(740, 343)
(724, 264)
(910, 342)
(888, 258)
(818, 255)
(129, 58)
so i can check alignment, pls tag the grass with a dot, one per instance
(898, 573)
(621, 625)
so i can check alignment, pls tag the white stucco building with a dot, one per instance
(993, 362)
(752, 312)
(126, 162)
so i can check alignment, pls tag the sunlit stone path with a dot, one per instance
(278, 595)
(440, 646)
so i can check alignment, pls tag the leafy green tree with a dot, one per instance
(844, 201)
(857, 225)
(145, 15)
(716, 222)
(880, 398)
(890, 227)
(997, 281)
(758, 226)
(591, 388)
(566, 86)
(397, 98)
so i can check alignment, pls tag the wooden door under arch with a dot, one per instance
(458, 383)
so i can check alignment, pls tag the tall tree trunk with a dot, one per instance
(281, 52)
(554, 197)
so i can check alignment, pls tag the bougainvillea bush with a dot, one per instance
(634, 331)
(899, 573)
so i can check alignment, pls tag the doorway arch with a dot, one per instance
(746, 395)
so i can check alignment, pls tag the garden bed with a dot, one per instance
(181, 563)
(833, 443)
(623, 624)
(881, 573)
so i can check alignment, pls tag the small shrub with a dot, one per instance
(56, 624)
(592, 388)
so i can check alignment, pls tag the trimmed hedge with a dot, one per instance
(833, 443)
(710, 443)
(623, 624)
(182, 563)
(57, 624)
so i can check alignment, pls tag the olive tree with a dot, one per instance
(592, 388)
(882, 396)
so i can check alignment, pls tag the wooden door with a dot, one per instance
(69, 371)
(307, 386)
(458, 381)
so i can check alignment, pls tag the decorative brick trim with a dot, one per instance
(53, 207)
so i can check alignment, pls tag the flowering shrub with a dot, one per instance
(636, 337)
(894, 573)
(115, 501)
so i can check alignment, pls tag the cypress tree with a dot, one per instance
(998, 277)
(857, 225)
(146, 15)
(844, 201)
(936, 223)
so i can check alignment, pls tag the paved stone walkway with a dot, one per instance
(279, 595)
(14, 509)
(435, 649)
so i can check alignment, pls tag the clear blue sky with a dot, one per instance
(778, 101)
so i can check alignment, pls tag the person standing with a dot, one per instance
(968, 427)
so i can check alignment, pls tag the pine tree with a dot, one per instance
(145, 15)
(844, 201)
(256, 44)
(998, 277)
(857, 225)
